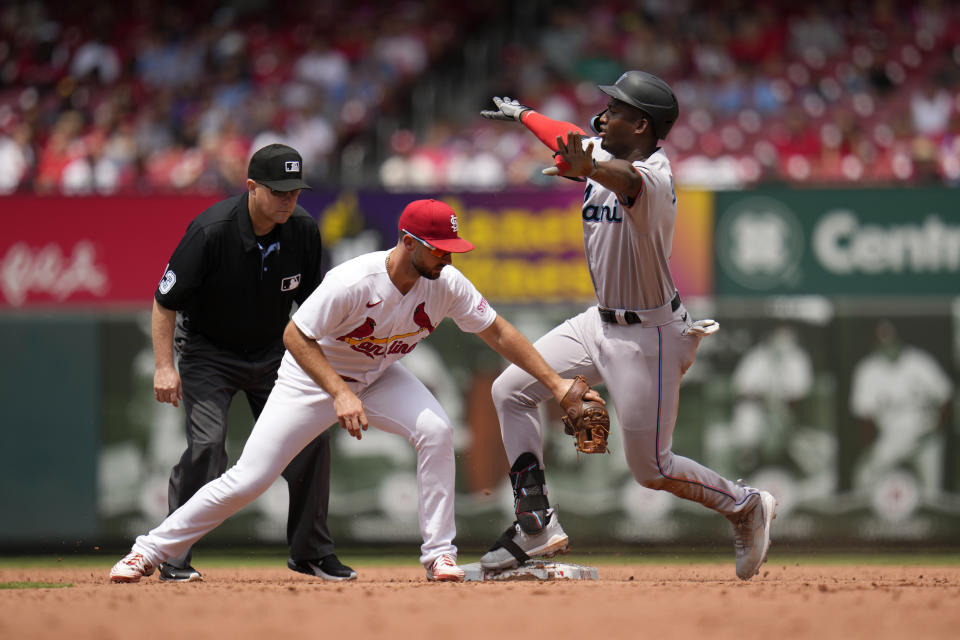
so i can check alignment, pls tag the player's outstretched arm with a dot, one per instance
(504, 338)
(310, 356)
(546, 129)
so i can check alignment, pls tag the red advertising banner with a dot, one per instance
(95, 252)
(89, 251)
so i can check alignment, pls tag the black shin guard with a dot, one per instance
(529, 493)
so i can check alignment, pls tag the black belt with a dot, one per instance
(631, 317)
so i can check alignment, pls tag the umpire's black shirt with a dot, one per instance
(234, 288)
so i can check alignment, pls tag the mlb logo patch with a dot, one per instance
(169, 279)
(291, 283)
(293, 166)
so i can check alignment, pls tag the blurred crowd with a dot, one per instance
(175, 96)
(839, 93)
(100, 97)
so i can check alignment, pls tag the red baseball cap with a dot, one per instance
(433, 222)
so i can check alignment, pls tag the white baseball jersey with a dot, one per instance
(902, 396)
(364, 324)
(630, 264)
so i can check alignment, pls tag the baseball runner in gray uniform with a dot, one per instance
(639, 339)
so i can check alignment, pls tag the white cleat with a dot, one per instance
(548, 542)
(445, 569)
(133, 567)
(751, 535)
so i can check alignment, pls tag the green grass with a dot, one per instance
(35, 585)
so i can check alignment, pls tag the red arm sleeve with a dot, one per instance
(548, 130)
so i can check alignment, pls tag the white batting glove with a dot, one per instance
(703, 327)
(507, 109)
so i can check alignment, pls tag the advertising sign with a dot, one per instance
(842, 242)
(89, 251)
(529, 242)
(94, 252)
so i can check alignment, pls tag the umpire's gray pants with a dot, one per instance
(211, 377)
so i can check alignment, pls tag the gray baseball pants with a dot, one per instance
(641, 365)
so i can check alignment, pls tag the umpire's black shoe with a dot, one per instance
(170, 573)
(328, 568)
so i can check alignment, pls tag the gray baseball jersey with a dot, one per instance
(628, 244)
(640, 358)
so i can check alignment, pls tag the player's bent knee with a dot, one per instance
(646, 470)
(656, 483)
(507, 388)
(502, 389)
(648, 476)
(432, 432)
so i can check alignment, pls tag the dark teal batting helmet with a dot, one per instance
(650, 94)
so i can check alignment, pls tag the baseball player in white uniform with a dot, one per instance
(639, 339)
(902, 396)
(343, 345)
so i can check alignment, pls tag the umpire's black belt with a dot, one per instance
(634, 317)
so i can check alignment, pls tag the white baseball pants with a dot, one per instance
(397, 402)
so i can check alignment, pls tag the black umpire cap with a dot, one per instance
(278, 167)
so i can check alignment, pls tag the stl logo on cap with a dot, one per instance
(435, 223)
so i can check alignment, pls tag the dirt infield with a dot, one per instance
(690, 601)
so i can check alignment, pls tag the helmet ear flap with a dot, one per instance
(595, 121)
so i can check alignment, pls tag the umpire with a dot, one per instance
(224, 301)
